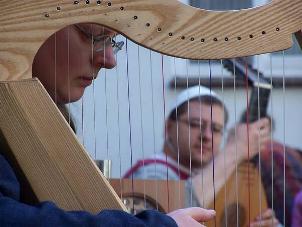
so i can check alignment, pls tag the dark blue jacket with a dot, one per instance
(15, 213)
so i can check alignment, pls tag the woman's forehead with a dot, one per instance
(96, 29)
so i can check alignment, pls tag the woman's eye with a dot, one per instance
(100, 38)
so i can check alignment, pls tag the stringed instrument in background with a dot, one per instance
(243, 197)
(51, 159)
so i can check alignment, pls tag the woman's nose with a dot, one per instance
(105, 59)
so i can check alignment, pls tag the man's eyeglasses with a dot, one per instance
(101, 42)
(202, 126)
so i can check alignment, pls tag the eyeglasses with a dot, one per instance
(202, 126)
(101, 42)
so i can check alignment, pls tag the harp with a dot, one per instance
(167, 27)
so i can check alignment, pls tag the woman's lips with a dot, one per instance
(86, 81)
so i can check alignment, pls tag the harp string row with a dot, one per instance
(68, 71)
(141, 118)
(236, 151)
(164, 96)
(223, 142)
(177, 130)
(189, 131)
(259, 157)
(201, 158)
(284, 137)
(129, 116)
(248, 136)
(271, 133)
(164, 116)
(93, 94)
(153, 124)
(212, 141)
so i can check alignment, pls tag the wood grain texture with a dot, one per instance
(53, 161)
(169, 27)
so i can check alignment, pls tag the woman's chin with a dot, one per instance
(69, 98)
(75, 98)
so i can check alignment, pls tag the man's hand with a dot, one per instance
(192, 216)
(267, 219)
(249, 139)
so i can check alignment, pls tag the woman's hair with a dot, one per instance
(206, 99)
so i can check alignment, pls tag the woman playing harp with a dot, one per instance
(76, 68)
(170, 31)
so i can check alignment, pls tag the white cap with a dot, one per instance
(194, 92)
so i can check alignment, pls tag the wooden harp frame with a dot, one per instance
(168, 27)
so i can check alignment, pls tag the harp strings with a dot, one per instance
(259, 156)
(153, 122)
(248, 137)
(164, 117)
(223, 142)
(284, 135)
(236, 151)
(189, 131)
(68, 72)
(129, 115)
(118, 123)
(106, 101)
(201, 157)
(55, 66)
(212, 136)
(271, 132)
(177, 130)
(93, 93)
(129, 87)
(141, 118)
